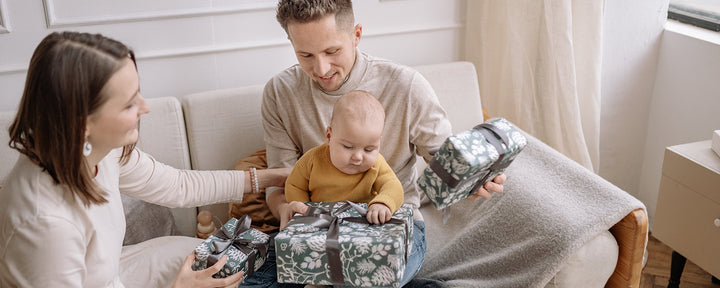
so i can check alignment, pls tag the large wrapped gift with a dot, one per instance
(469, 159)
(333, 244)
(245, 247)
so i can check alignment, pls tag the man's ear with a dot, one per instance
(357, 34)
(328, 132)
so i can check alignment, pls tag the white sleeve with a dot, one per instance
(145, 178)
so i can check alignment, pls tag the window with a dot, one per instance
(701, 13)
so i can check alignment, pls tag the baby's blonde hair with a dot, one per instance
(359, 106)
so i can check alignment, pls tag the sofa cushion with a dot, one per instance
(590, 266)
(162, 135)
(146, 221)
(457, 89)
(162, 132)
(223, 126)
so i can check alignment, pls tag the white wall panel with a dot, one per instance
(685, 102)
(252, 66)
(160, 37)
(187, 46)
(174, 76)
(631, 40)
(65, 13)
(251, 28)
(415, 48)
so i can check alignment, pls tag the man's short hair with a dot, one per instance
(305, 11)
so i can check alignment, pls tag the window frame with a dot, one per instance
(700, 18)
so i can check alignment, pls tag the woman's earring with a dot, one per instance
(87, 148)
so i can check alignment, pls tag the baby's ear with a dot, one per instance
(328, 132)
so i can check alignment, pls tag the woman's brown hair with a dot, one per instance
(66, 74)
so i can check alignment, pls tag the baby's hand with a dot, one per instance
(378, 213)
(288, 210)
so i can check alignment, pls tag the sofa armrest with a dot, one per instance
(631, 235)
(457, 89)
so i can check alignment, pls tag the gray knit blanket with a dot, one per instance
(522, 237)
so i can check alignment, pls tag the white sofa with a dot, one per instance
(214, 129)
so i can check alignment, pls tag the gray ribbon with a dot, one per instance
(322, 218)
(246, 246)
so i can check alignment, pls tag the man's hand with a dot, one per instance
(491, 186)
(203, 278)
(287, 210)
(378, 213)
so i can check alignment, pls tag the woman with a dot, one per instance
(61, 218)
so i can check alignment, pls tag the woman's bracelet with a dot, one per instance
(254, 180)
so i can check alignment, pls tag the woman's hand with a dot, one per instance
(203, 278)
(491, 186)
(287, 210)
(273, 177)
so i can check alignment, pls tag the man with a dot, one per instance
(298, 102)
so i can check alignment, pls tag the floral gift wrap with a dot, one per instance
(469, 159)
(245, 247)
(333, 244)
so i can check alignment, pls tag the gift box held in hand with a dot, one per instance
(333, 244)
(469, 159)
(245, 247)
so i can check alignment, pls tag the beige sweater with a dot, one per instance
(48, 239)
(296, 111)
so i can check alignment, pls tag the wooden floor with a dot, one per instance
(657, 269)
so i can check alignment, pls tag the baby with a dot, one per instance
(349, 166)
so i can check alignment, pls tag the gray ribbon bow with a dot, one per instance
(246, 246)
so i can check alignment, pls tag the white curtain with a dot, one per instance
(538, 65)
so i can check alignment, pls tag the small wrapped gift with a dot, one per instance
(333, 244)
(469, 159)
(245, 247)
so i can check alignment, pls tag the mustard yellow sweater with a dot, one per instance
(314, 178)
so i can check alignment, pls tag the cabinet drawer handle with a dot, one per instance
(717, 222)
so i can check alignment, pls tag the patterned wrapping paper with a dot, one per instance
(370, 255)
(246, 248)
(469, 159)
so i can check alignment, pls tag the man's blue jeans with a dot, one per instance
(266, 275)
